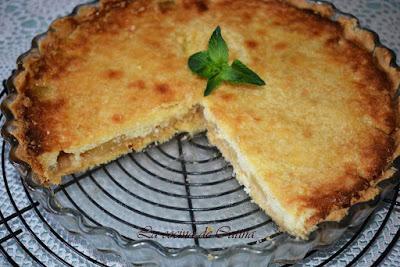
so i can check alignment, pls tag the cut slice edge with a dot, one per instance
(258, 191)
(67, 163)
(265, 200)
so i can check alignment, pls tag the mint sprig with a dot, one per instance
(213, 65)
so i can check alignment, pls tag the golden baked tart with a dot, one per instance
(311, 142)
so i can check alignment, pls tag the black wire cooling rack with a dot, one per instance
(29, 233)
(183, 186)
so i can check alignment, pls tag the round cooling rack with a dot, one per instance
(178, 194)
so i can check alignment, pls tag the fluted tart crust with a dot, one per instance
(312, 142)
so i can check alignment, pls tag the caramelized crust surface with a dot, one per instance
(316, 137)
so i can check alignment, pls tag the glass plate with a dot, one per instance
(176, 203)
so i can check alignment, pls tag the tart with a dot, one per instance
(315, 140)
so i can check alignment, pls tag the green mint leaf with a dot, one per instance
(199, 61)
(201, 64)
(217, 48)
(240, 73)
(213, 64)
(212, 83)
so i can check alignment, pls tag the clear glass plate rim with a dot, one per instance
(269, 248)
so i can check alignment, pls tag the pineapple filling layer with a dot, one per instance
(192, 122)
